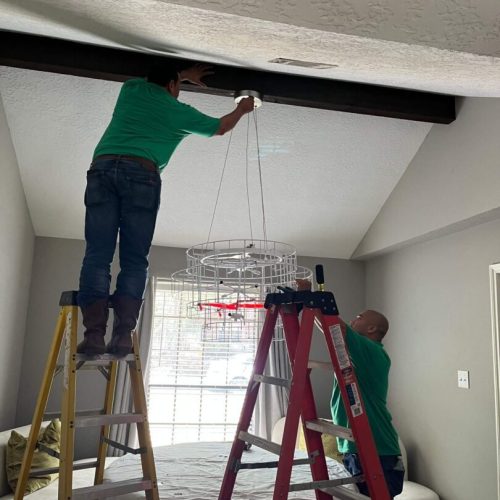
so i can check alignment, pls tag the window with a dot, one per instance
(198, 372)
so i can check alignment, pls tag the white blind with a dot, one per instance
(198, 371)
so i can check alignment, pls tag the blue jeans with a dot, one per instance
(392, 466)
(122, 197)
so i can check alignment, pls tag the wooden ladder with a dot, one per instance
(107, 364)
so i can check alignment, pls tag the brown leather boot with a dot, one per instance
(95, 319)
(126, 312)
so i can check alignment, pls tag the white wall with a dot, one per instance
(16, 255)
(452, 182)
(436, 295)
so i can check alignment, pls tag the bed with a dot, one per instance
(194, 471)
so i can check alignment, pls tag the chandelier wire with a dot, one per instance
(220, 185)
(246, 175)
(264, 226)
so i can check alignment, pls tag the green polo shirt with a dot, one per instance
(150, 123)
(371, 364)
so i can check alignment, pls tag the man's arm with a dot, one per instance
(229, 121)
(195, 74)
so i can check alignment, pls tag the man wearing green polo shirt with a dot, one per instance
(371, 363)
(123, 196)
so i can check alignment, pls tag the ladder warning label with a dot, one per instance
(339, 344)
(354, 400)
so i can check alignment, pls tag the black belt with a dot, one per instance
(147, 164)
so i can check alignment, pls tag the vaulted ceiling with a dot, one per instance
(326, 174)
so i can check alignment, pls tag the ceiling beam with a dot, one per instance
(41, 53)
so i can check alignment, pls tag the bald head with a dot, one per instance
(371, 324)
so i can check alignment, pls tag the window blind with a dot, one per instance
(199, 370)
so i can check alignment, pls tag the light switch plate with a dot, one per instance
(463, 379)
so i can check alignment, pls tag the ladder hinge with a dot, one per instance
(123, 447)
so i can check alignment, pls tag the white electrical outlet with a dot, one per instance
(463, 379)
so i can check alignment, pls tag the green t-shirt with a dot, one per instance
(150, 123)
(371, 364)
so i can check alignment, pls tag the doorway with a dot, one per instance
(495, 327)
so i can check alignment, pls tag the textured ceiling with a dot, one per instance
(325, 174)
(445, 46)
(460, 25)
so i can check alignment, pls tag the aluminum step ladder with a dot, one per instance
(106, 364)
(319, 307)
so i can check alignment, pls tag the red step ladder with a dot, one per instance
(319, 307)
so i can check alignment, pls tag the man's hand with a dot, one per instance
(246, 105)
(303, 285)
(229, 121)
(195, 73)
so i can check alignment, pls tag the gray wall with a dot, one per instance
(16, 254)
(436, 295)
(451, 183)
(56, 268)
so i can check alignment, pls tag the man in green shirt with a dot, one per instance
(371, 363)
(123, 196)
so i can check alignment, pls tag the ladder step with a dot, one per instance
(94, 362)
(344, 494)
(316, 485)
(264, 379)
(260, 442)
(102, 358)
(117, 418)
(327, 427)
(111, 489)
(273, 465)
(54, 470)
(49, 415)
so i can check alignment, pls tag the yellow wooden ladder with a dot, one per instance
(71, 419)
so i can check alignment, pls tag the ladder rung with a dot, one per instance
(327, 427)
(106, 490)
(80, 413)
(117, 418)
(93, 363)
(315, 485)
(260, 442)
(272, 465)
(53, 470)
(102, 359)
(264, 379)
(341, 493)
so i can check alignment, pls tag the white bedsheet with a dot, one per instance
(194, 471)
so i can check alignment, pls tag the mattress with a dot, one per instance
(194, 471)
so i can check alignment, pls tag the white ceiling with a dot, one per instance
(326, 174)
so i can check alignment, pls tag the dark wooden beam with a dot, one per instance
(73, 58)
